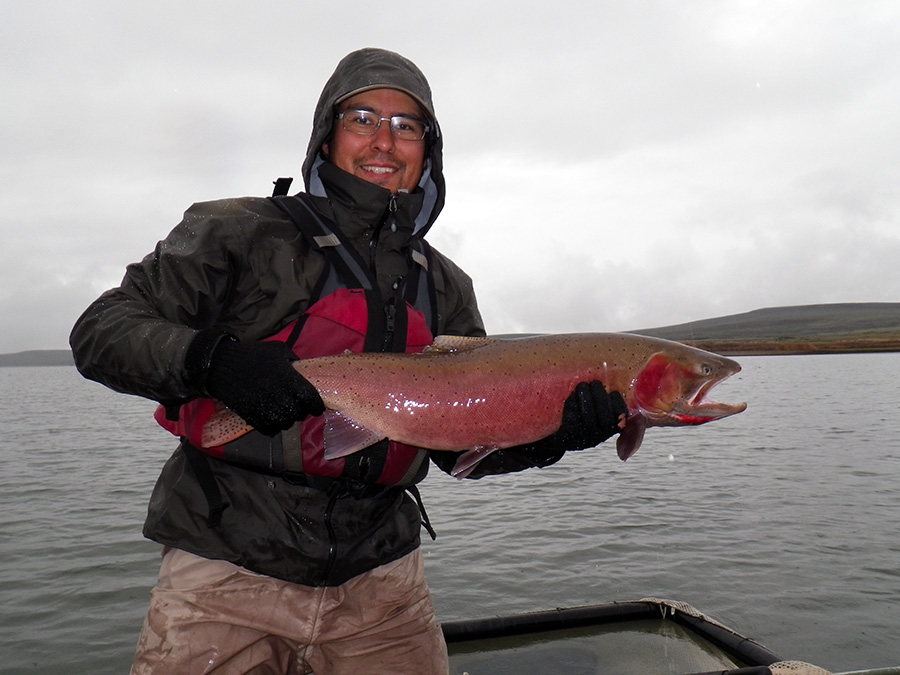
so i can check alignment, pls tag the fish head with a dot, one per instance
(671, 388)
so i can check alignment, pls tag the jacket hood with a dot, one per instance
(361, 71)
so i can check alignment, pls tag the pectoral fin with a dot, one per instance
(631, 436)
(469, 460)
(343, 435)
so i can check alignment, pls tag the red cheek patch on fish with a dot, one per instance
(655, 384)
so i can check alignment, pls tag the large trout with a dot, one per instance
(477, 395)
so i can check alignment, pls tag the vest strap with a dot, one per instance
(414, 491)
(351, 269)
(200, 465)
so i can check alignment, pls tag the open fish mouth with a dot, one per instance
(694, 407)
(699, 408)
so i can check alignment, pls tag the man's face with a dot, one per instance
(380, 158)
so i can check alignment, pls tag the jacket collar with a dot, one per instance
(359, 207)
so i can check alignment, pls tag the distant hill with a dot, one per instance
(45, 357)
(802, 329)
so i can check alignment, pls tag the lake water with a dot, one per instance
(782, 522)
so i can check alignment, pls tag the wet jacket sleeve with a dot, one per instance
(134, 338)
(457, 306)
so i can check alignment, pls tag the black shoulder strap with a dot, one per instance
(420, 291)
(327, 240)
(343, 266)
(418, 288)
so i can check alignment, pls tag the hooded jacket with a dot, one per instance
(241, 265)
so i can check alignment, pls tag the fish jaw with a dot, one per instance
(673, 391)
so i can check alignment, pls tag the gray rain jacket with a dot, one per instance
(241, 265)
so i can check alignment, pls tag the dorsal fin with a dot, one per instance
(456, 343)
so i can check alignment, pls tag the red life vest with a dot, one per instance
(351, 317)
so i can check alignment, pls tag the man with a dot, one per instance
(275, 558)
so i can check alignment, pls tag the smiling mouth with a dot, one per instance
(379, 169)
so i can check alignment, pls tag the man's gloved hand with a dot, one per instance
(257, 381)
(590, 416)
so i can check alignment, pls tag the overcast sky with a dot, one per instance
(610, 165)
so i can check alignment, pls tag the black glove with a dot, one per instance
(590, 416)
(257, 381)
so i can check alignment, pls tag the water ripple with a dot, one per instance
(784, 521)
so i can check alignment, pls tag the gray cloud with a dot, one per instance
(610, 165)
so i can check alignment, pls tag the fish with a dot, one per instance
(478, 395)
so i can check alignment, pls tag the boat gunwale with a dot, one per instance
(732, 643)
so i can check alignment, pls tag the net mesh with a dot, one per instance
(779, 668)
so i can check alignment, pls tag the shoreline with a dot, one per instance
(785, 347)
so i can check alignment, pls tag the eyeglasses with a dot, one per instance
(367, 123)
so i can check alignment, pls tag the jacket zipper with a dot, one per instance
(390, 309)
(373, 244)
